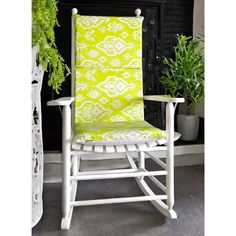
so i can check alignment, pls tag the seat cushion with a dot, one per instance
(116, 131)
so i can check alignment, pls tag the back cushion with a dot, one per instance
(108, 69)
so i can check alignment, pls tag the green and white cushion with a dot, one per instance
(109, 87)
(108, 95)
(117, 131)
(111, 42)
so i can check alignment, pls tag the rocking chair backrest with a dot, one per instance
(107, 61)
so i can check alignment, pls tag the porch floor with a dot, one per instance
(126, 219)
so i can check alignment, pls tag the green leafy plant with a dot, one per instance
(44, 19)
(184, 75)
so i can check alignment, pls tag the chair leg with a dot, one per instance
(158, 204)
(75, 165)
(141, 163)
(170, 179)
(170, 158)
(65, 192)
(65, 223)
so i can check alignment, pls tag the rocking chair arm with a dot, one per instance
(163, 98)
(64, 101)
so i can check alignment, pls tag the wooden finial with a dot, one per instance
(74, 11)
(138, 12)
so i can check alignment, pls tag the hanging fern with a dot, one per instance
(44, 19)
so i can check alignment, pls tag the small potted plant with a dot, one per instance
(184, 76)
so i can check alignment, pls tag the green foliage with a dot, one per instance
(184, 76)
(44, 19)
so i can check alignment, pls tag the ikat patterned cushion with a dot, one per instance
(108, 69)
(109, 86)
(116, 131)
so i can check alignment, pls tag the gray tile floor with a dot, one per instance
(127, 219)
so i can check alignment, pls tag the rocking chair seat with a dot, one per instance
(116, 131)
(126, 134)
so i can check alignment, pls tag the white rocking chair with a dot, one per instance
(107, 116)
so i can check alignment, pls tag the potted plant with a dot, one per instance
(184, 77)
(45, 57)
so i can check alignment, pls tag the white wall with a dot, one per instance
(198, 30)
(198, 18)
